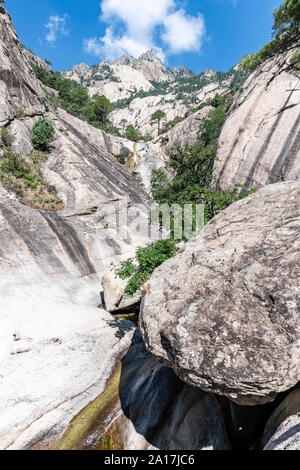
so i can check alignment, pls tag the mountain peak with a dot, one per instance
(149, 55)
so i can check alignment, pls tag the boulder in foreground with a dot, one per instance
(225, 312)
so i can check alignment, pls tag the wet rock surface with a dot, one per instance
(148, 407)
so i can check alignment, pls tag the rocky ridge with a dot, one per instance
(260, 142)
(144, 85)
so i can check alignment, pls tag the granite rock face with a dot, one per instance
(232, 326)
(57, 350)
(287, 436)
(260, 141)
(285, 413)
(187, 131)
(19, 88)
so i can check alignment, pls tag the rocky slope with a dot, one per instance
(260, 141)
(52, 334)
(139, 87)
(176, 99)
(146, 406)
(125, 76)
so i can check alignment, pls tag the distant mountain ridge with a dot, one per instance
(139, 87)
(125, 76)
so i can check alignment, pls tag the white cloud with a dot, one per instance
(111, 46)
(56, 25)
(183, 32)
(135, 26)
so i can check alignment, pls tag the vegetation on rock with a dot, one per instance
(76, 100)
(157, 117)
(147, 259)
(23, 176)
(295, 60)
(42, 134)
(191, 168)
(286, 30)
(6, 138)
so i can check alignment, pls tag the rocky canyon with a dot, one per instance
(205, 353)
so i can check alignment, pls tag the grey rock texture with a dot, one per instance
(290, 406)
(224, 313)
(19, 87)
(57, 350)
(187, 131)
(287, 436)
(260, 141)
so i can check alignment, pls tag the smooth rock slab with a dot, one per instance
(287, 436)
(224, 313)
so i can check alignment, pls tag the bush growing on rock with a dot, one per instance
(6, 137)
(42, 134)
(147, 259)
(295, 60)
(1, 7)
(286, 30)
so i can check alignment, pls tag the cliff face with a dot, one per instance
(260, 142)
(232, 327)
(19, 87)
(52, 334)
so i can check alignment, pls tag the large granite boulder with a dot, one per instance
(259, 143)
(224, 312)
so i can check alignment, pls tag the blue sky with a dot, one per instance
(195, 33)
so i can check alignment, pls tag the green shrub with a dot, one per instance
(6, 137)
(13, 164)
(146, 261)
(20, 113)
(42, 134)
(295, 60)
(121, 159)
(132, 133)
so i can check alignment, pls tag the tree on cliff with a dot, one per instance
(102, 107)
(158, 116)
(123, 125)
(42, 134)
(286, 20)
(79, 98)
(132, 133)
(287, 16)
